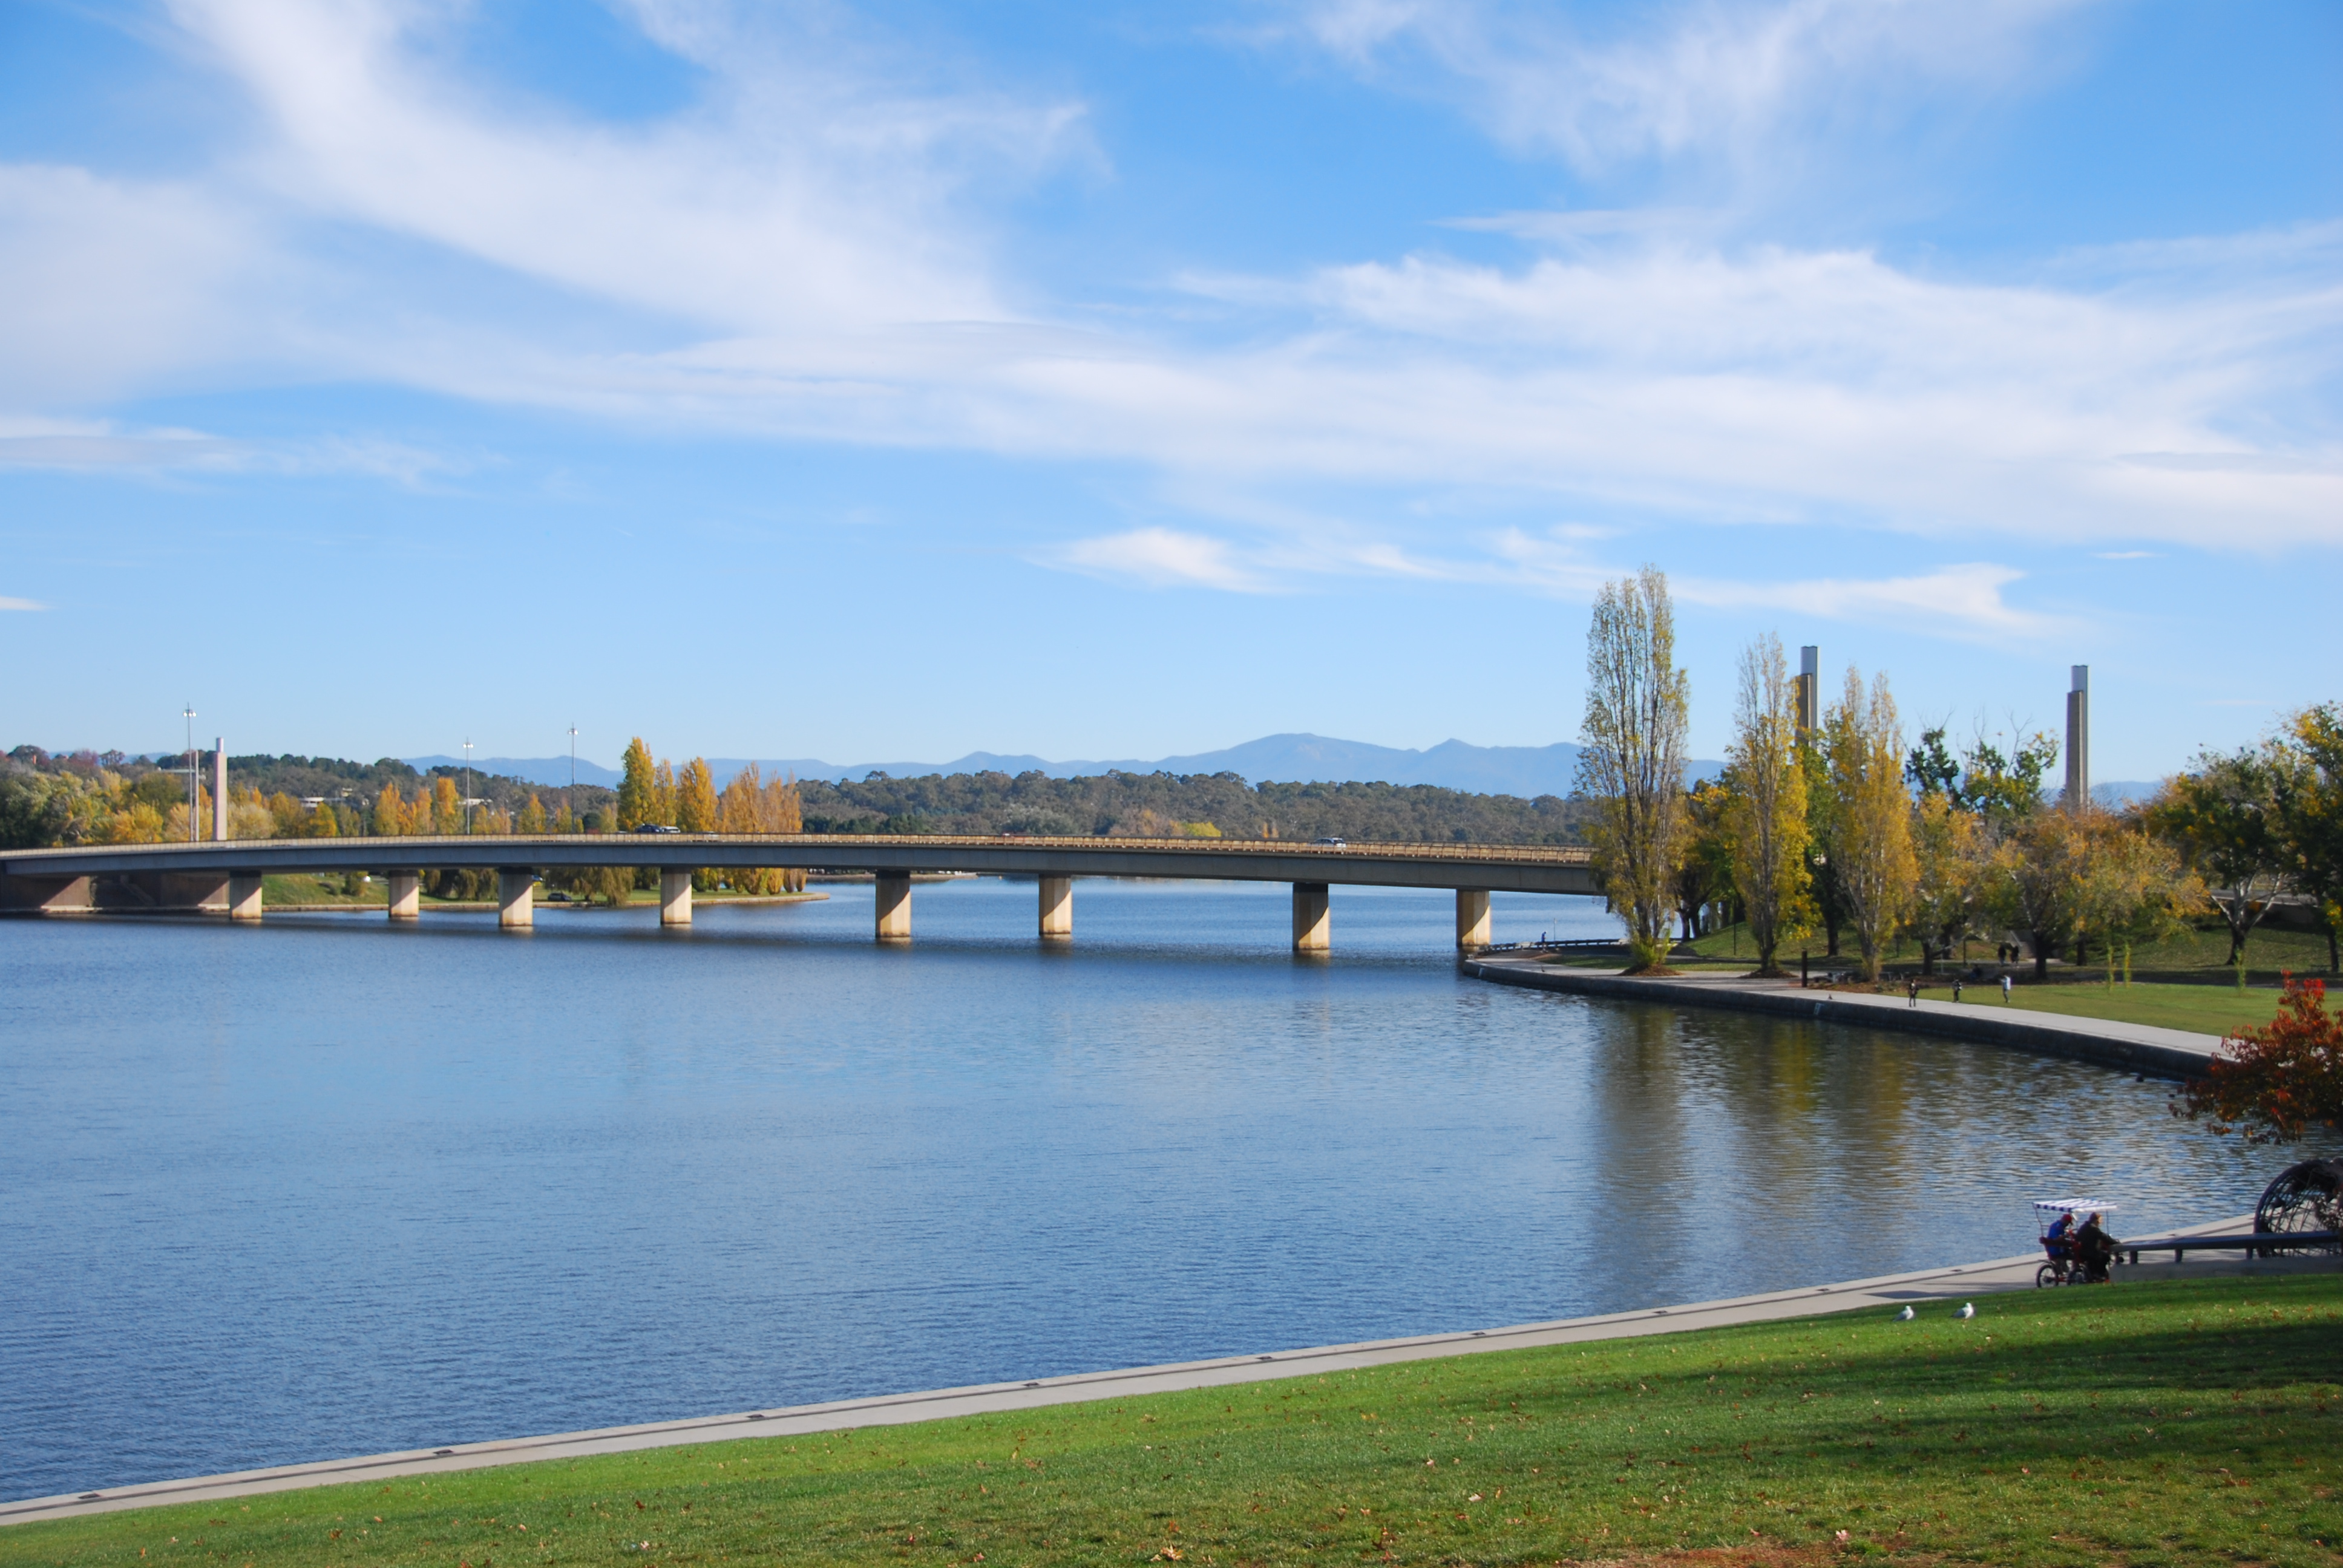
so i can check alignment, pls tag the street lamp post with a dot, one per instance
(569, 801)
(189, 713)
(468, 786)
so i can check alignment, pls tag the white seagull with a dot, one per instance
(1904, 1316)
(1968, 1310)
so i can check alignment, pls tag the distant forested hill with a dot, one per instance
(1166, 804)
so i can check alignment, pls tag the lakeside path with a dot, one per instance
(2130, 1047)
(1925, 1289)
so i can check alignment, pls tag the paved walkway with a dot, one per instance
(1929, 1291)
(2132, 1047)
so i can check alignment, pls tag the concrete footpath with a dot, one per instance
(2130, 1047)
(1931, 1292)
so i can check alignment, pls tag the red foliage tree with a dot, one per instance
(2275, 1082)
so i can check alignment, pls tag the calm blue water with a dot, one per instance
(331, 1187)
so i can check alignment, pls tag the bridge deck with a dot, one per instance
(1494, 867)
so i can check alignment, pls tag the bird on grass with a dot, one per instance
(1904, 1316)
(1968, 1310)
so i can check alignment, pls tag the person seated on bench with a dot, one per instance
(2094, 1249)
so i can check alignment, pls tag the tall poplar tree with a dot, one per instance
(1766, 821)
(1870, 816)
(638, 788)
(695, 798)
(447, 807)
(1632, 764)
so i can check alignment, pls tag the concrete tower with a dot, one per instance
(2078, 739)
(219, 791)
(1810, 687)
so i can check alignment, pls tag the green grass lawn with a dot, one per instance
(2140, 1425)
(2201, 950)
(2206, 1009)
(292, 890)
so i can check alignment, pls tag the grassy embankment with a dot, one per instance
(2141, 1424)
(2192, 987)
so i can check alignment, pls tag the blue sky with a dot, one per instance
(1105, 379)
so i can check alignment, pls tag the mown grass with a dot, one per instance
(2199, 950)
(2208, 1010)
(2139, 1424)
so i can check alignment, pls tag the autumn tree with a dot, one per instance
(1765, 817)
(447, 807)
(663, 794)
(1871, 816)
(532, 816)
(2274, 1083)
(2310, 810)
(1631, 764)
(1948, 856)
(695, 798)
(389, 820)
(2035, 881)
(1705, 869)
(638, 788)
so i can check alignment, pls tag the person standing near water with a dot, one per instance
(2005, 990)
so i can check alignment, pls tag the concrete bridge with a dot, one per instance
(224, 878)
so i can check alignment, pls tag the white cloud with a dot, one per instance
(1711, 79)
(8, 604)
(797, 196)
(799, 256)
(1158, 557)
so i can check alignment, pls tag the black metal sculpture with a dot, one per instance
(2308, 1196)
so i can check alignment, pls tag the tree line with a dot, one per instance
(1842, 828)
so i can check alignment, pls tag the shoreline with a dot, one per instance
(1884, 1292)
(2144, 1049)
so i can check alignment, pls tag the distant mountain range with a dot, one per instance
(1525, 770)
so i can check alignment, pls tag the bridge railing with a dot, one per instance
(489, 845)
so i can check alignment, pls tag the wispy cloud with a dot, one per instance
(7, 604)
(1158, 557)
(803, 254)
(1724, 81)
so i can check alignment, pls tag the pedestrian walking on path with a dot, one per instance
(1912, 991)
(1957, 987)
(2005, 990)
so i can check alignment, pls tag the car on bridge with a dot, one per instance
(655, 828)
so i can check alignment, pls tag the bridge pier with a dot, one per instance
(243, 895)
(675, 897)
(1057, 909)
(891, 912)
(516, 897)
(1313, 925)
(406, 894)
(1471, 920)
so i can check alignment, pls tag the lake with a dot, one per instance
(329, 1186)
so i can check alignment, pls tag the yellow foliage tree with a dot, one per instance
(389, 813)
(1765, 818)
(663, 794)
(695, 798)
(447, 807)
(638, 788)
(532, 816)
(1870, 815)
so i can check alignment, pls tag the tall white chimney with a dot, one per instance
(2078, 739)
